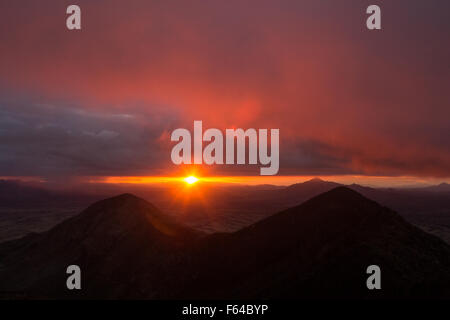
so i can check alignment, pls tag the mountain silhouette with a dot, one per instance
(323, 247)
(126, 248)
(443, 187)
(295, 194)
(309, 189)
(111, 241)
(20, 194)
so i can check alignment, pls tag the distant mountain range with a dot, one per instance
(443, 187)
(211, 208)
(14, 193)
(127, 248)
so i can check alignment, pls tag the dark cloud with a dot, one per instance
(50, 140)
(346, 100)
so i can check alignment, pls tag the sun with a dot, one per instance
(190, 180)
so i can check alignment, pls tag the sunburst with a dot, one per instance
(191, 180)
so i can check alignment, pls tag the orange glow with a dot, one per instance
(376, 181)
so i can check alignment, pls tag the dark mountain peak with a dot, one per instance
(315, 182)
(340, 212)
(125, 207)
(442, 187)
(299, 192)
(342, 194)
(123, 198)
(118, 236)
(333, 237)
(316, 179)
(127, 213)
(126, 196)
(347, 206)
(113, 223)
(360, 188)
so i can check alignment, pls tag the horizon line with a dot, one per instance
(278, 180)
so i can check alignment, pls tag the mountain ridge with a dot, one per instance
(320, 248)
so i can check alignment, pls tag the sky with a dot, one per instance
(103, 101)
